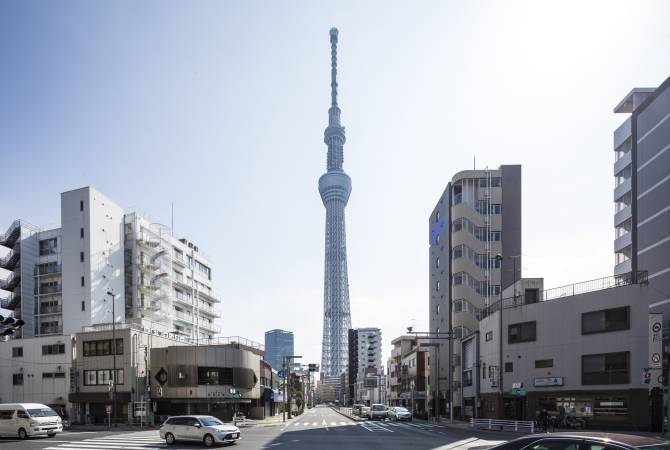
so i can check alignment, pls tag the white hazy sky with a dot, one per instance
(221, 106)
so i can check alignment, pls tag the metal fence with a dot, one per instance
(527, 426)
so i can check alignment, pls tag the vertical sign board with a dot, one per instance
(655, 341)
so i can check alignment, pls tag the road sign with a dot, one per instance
(519, 392)
(280, 374)
(108, 409)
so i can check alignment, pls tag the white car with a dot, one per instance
(206, 429)
(28, 419)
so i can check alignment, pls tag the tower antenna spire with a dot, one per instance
(333, 67)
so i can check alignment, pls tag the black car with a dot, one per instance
(584, 441)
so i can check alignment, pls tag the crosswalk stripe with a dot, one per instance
(74, 446)
(342, 423)
(314, 424)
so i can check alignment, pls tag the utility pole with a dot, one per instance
(111, 294)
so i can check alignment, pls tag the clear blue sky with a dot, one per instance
(220, 107)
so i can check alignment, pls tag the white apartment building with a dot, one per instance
(60, 280)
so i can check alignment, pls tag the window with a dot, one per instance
(495, 236)
(17, 352)
(437, 217)
(53, 349)
(521, 332)
(83, 305)
(437, 285)
(81, 205)
(102, 348)
(83, 281)
(495, 209)
(509, 367)
(47, 375)
(467, 378)
(81, 233)
(438, 309)
(489, 336)
(606, 368)
(17, 379)
(606, 320)
(81, 257)
(22, 414)
(48, 247)
(215, 376)
(483, 371)
(437, 263)
(544, 363)
(102, 377)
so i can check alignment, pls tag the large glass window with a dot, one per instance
(48, 246)
(53, 349)
(102, 347)
(606, 368)
(102, 377)
(606, 320)
(521, 332)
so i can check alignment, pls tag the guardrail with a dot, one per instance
(512, 425)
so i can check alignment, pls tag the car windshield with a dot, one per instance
(210, 421)
(42, 412)
(399, 409)
(379, 408)
(661, 446)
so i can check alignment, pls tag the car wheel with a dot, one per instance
(208, 440)
(23, 434)
(51, 435)
(169, 439)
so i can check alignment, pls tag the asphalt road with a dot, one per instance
(318, 428)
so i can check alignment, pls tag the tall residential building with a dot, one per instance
(642, 189)
(59, 280)
(335, 187)
(365, 352)
(278, 344)
(477, 218)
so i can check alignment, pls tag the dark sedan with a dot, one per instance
(584, 441)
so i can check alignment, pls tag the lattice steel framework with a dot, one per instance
(335, 187)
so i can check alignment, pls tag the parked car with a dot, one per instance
(206, 429)
(365, 412)
(26, 420)
(378, 411)
(399, 413)
(584, 440)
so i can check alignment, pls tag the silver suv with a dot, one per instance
(206, 429)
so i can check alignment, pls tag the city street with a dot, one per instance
(318, 428)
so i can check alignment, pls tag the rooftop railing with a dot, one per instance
(615, 281)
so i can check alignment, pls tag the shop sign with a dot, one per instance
(519, 392)
(655, 341)
(548, 381)
(517, 385)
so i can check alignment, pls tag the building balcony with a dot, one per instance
(12, 235)
(179, 260)
(44, 290)
(13, 280)
(210, 311)
(211, 296)
(622, 189)
(51, 309)
(623, 215)
(622, 242)
(622, 162)
(50, 270)
(622, 133)
(51, 330)
(622, 268)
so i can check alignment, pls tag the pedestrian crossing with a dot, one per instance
(142, 440)
(369, 426)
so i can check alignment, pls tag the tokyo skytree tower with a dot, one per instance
(335, 187)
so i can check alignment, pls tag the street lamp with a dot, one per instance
(111, 294)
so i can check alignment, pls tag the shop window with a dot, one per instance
(606, 368)
(615, 319)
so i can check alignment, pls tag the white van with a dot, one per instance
(28, 419)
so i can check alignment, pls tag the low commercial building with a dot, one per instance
(109, 359)
(37, 370)
(409, 369)
(582, 349)
(220, 379)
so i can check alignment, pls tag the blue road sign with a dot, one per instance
(280, 374)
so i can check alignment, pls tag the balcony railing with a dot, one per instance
(46, 270)
(52, 330)
(51, 309)
(625, 279)
(41, 290)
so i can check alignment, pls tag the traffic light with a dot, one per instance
(313, 367)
